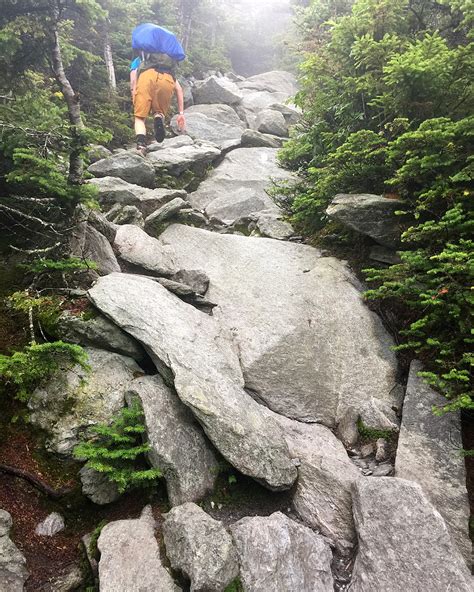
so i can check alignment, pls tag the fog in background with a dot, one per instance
(256, 38)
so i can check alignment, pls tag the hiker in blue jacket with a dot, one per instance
(152, 84)
(153, 80)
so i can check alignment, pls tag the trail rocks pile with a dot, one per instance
(13, 572)
(308, 345)
(236, 189)
(115, 191)
(260, 351)
(206, 370)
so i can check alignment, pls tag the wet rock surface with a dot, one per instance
(267, 355)
(309, 347)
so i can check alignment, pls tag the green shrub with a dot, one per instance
(435, 174)
(27, 369)
(235, 586)
(387, 97)
(71, 264)
(117, 450)
(47, 309)
(45, 177)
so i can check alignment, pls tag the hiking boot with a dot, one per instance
(159, 126)
(141, 145)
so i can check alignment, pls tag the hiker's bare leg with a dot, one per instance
(140, 128)
(140, 132)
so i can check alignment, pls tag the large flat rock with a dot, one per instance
(274, 81)
(178, 445)
(281, 555)
(309, 347)
(237, 187)
(204, 127)
(130, 557)
(203, 360)
(176, 159)
(428, 453)
(372, 215)
(113, 190)
(127, 165)
(404, 544)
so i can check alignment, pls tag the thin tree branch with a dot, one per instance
(15, 212)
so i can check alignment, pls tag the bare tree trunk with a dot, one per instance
(186, 19)
(109, 60)
(76, 164)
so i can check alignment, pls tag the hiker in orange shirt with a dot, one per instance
(153, 83)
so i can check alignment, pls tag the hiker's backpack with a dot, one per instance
(151, 38)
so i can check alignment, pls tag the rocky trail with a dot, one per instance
(251, 350)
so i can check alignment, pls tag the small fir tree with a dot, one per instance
(117, 450)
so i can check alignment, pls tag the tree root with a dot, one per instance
(37, 483)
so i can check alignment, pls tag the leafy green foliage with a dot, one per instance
(235, 586)
(93, 549)
(47, 309)
(32, 174)
(117, 450)
(70, 264)
(387, 96)
(372, 433)
(435, 172)
(27, 369)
